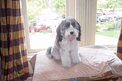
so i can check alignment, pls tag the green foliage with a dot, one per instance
(111, 29)
(59, 5)
(108, 4)
(34, 7)
(46, 31)
(108, 25)
(112, 4)
(98, 26)
(110, 33)
(101, 4)
(120, 3)
(45, 4)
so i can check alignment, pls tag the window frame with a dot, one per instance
(84, 11)
(27, 36)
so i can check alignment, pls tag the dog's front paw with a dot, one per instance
(76, 60)
(57, 57)
(66, 66)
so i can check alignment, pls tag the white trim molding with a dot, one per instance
(25, 19)
(84, 11)
(70, 8)
(27, 36)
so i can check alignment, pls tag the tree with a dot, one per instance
(34, 8)
(112, 4)
(108, 4)
(120, 3)
(59, 5)
(101, 4)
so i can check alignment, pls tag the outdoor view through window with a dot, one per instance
(108, 22)
(45, 15)
(43, 18)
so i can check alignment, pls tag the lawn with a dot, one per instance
(110, 33)
(113, 29)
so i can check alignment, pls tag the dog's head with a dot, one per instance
(68, 29)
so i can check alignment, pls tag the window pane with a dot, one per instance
(43, 18)
(108, 19)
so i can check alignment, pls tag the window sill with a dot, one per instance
(30, 55)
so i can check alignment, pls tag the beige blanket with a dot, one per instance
(96, 60)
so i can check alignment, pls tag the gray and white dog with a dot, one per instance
(66, 43)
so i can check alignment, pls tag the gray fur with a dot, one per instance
(66, 49)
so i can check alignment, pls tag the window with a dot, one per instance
(108, 23)
(84, 11)
(41, 20)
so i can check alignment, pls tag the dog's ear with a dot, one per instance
(58, 31)
(79, 35)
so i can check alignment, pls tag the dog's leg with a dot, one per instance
(65, 58)
(52, 52)
(48, 52)
(75, 56)
(55, 53)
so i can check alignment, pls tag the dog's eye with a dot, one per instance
(67, 24)
(73, 24)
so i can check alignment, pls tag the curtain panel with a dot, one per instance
(119, 48)
(13, 53)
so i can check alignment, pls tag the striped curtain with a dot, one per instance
(119, 48)
(13, 54)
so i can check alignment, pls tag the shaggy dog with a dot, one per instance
(66, 43)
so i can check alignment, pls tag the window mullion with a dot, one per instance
(25, 17)
(86, 16)
(70, 8)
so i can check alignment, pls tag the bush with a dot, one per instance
(46, 31)
(98, 26)
(109, 25)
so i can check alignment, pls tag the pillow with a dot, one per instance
(96, 60)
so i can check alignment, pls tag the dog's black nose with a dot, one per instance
(71, 33)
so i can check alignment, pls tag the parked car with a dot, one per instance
(97, 19)
(103, 18)
(117, 17)
(110, 17)
(39, 27)
(29, 28)
(98, 14)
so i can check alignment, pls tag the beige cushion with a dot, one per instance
(96, 60)
(32, 61)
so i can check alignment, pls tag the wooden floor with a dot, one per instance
(111, 79)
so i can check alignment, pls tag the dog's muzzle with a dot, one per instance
(71, 33)
(71, 37)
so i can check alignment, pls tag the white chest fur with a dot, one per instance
(69, 45)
